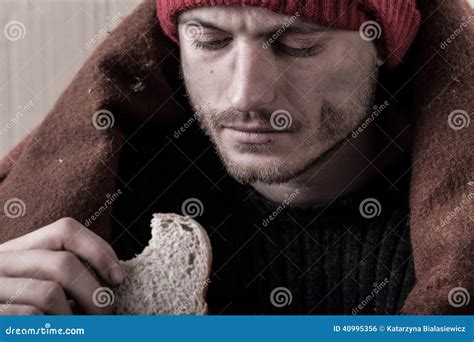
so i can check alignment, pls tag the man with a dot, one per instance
(302, 169)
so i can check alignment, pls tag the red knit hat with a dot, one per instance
(396, 22)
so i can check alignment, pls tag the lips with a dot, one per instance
(253, 133)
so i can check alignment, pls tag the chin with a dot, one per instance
(249, 168)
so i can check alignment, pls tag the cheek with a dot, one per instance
(321, 78)
(342, 83)
(352, 74)
(303, 87)
(337, 92)
(203, 78)
(352, 87)
(334, 73)
(195, 69)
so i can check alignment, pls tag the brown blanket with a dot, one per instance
(67, 167)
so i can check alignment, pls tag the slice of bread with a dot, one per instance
(171, 275)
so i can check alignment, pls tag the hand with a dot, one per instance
(42, 270)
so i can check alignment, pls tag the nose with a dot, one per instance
(253, 78)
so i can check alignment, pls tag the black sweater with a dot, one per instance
(325, 259)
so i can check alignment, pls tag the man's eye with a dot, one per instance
(211, 45)
(297, 52)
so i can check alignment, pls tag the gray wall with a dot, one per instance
(43, 43)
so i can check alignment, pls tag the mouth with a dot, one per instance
(252, 133)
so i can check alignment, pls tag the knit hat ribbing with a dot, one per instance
(396, 22)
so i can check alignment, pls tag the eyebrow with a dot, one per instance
(296, 27)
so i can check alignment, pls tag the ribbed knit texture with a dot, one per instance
(397, 21)
(327, 258)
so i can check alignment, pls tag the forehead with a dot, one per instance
(246, 19)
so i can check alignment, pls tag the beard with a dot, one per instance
(335, 125)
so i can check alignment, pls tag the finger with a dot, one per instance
(70, 235)
(19, 310)
(61, 267)
(47, 296)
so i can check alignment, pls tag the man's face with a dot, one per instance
(275, 94)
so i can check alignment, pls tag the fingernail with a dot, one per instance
(116, 274)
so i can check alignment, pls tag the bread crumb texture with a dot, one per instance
(171, 275)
